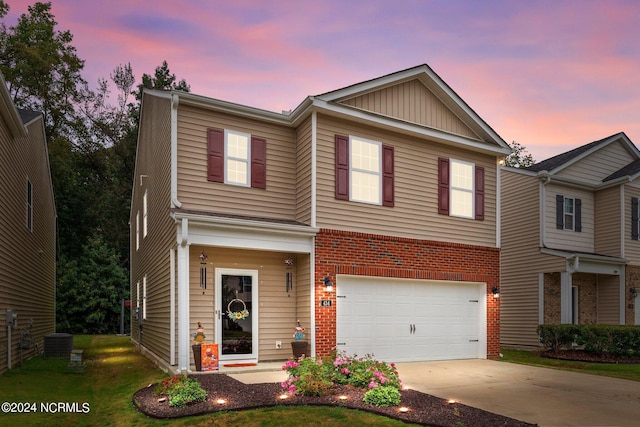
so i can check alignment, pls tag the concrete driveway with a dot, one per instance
(546, 397)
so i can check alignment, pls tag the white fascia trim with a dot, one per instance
(399, 125)
(599, 185)
(591, 257)
(245, 224)
(175, 101)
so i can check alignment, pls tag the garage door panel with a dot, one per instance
(406, 320)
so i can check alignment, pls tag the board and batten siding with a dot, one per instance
(415, 214)
(27, 258)
(195, 192)
(152, 259)
(303, 172)
(566, 239)
(599, 165)
(277, 310)
(521, 260)
(413, 102)
(608, 239)
(631, 247)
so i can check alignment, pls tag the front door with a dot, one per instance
(237, 314)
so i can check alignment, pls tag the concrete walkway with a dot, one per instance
(547, 397)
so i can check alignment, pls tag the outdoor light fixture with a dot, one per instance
(328, 286)
(634, 292)
(221, 401)
(403, 409)
(496, 292)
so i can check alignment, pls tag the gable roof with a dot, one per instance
(330, 103)
(556, 163)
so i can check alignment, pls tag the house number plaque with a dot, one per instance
(326, 303)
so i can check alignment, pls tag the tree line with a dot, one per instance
(91, 137)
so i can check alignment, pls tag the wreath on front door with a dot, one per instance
(237, 315)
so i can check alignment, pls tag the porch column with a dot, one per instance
(566, 306)
(183, 307)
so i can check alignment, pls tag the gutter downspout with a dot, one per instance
(175, 100)
(312, 258)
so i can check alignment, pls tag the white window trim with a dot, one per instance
(452, 188)
(137, 230)
(353, 169)
(145, 214)
(564, 214)
(227, 157)
(144, 298)
(29, 206)
(138, 298)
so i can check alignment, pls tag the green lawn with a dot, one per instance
(101, 395)
(624, 371)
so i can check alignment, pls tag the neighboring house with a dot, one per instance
(369, 214)
(27, 232)
(570, 248)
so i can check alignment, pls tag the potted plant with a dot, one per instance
(299, 346)
(198, 339)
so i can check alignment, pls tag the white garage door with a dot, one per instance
(400, 320)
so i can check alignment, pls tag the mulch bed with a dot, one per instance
(423, 408)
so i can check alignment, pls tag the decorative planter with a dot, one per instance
(197, 356)
(300, 348)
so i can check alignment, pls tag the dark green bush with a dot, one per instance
(186, 392)
(614, 340)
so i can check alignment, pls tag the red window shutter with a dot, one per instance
(387, 176)
(443, 186)
(342, 167)
(258, 162)
(479, 193)
(215, 155)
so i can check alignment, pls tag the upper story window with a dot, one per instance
(236, 158)
(568, 213)
(635, 219)
(144, 214)
(364, 171)
(460, 189)
(29, 210)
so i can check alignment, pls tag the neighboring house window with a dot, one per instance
(236, 158)
(635, 219)
(138, 298)
(137, 230)
(568, 213)
(364, 171)
(144, 214)
(144, 298)
(460, 189)
(29, 218)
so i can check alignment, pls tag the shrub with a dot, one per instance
(168, 384)
(186, 392)
(383, 396)
(613, 340)
(308, 376)
(364, 372)
(555, 337)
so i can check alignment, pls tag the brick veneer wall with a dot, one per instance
(343, 252)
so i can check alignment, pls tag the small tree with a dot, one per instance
(519, 158)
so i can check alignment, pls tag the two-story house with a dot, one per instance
(27, 233)
(570, 250)
(369, 213)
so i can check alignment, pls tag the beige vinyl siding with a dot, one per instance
(415, 214)
(521, 260)
(277, 201)
(631, 247)
(566, 239)
(277, 310)
(27, 258)
(412, 102)
(608, 289)
(303, 172)
(599, 165)
(608, 239)
(152, 259)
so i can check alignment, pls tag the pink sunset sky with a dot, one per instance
(551, 75)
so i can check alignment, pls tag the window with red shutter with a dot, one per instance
(258, 162)
(443, 186)
(387, 176)
(215, 155)
(342, 167)
(479, 193)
